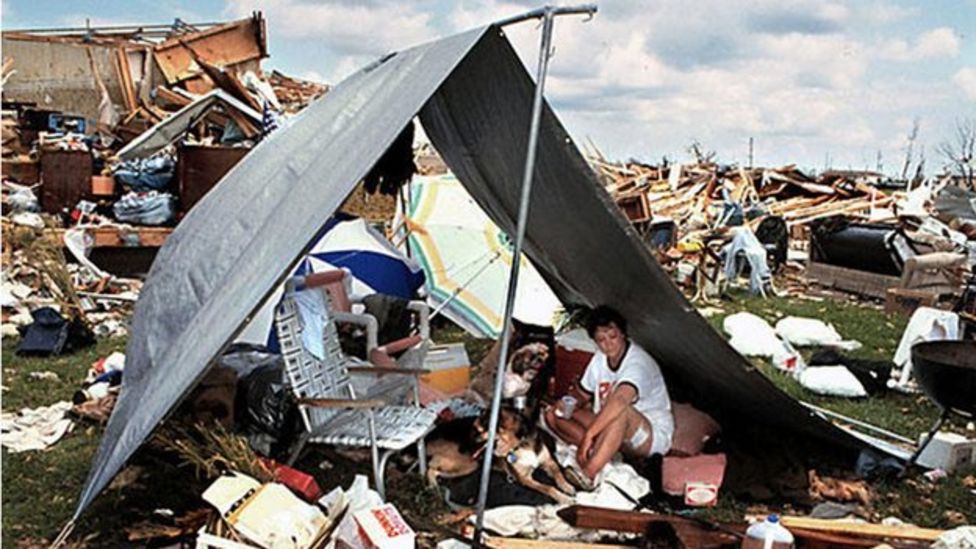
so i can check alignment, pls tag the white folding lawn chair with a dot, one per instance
(331, 410)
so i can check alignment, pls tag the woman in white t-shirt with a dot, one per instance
(623, 402)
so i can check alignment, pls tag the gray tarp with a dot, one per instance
(229, 253)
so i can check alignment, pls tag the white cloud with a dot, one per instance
(936, 43)
(358, 29)
(643, 80)
(965, 78)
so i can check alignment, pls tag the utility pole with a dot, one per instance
(750, 153)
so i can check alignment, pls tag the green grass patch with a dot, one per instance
(879, 334)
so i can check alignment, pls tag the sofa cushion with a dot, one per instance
(692, 429)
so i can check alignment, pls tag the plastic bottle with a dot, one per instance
(768, 534)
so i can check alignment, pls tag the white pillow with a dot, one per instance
(831, 381)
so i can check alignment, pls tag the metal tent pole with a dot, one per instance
(547, 13)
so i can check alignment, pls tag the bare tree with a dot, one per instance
(959, 151)
(702, 156)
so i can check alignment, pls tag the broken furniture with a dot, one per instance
(411, 349)
(331, 411)
(946, 370)
(871, 258)
(200, 167)
(65, 179)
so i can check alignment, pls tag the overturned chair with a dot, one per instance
(320, 375)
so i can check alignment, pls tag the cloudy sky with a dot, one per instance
(814, 82)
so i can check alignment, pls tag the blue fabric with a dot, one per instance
(385, 274)
(145, 208)
(746, 246)
(144, 175)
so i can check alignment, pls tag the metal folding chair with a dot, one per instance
(331, 411)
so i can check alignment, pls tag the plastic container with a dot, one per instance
(768, 534)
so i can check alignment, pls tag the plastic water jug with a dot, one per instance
(768, 534)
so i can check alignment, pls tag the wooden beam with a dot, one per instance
(521, 543)
(115, 237)
(125, 79)
(862, 529)
(691, 533)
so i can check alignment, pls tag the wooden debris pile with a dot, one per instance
(700, 195)
(35, 274)
(295, 94)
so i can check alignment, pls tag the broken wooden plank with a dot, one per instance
(223, 45)
(521, 543)
(691, 533)
(125, 79)
(112, 237)
(862, 529)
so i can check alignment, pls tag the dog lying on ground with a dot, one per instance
(451, 449)
(519, 451)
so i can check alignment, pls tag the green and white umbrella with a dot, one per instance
(467, 259)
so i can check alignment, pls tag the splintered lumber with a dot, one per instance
(691, 533)
(520, 543)
(862, 529)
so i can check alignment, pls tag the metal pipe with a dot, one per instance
(119, 29)
(587, 9)
(547, 13)
(852, 421)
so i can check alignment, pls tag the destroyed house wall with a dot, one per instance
(58, 75)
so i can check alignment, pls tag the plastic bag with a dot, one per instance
(265, 410)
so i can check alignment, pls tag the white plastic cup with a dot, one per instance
(568, 405)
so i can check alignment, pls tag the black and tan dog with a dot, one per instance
(519, 451)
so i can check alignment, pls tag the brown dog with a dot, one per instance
(519, 451)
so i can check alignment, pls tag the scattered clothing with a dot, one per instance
(50, 334)
(872, 466)
(745, 246)
(97, 410)
(144, 175)
(926, 324)
(830, 510)
(34, 429)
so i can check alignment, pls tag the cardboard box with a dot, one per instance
(102, 185)
(947, 451)
(701, 494)
(450, 368)
(904, 302)
(265, 514)
(383, 528)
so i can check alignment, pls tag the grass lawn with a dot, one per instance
(879, 335)
(40, 488)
